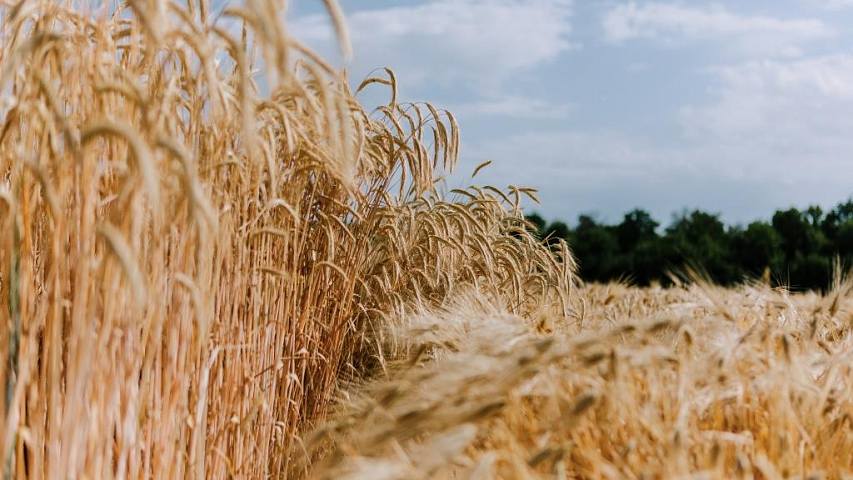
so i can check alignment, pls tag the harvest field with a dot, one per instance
(692, 382)
(215, 262)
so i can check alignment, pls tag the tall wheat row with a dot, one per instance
(189, 262)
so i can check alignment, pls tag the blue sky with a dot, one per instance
(736, 107)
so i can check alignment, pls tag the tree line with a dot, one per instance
(796, 248)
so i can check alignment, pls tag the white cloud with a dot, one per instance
(514, 106)
(786, 122)
(806, 101)
(675, 23)
(579, 157)
(470, 42)
(832, 4)
(771, 134)
(609, 172)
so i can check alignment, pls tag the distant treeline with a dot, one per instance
(796, 248)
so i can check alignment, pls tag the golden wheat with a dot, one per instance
(193, 268)
(692, 382)
(191, 263)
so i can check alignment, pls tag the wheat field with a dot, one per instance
(215, 262)
(690, 382)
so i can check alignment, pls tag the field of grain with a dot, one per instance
(690, 382)
(191, 261)
(215, 262)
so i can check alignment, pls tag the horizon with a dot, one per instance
(609, 106)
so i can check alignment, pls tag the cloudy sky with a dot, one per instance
(734, 107)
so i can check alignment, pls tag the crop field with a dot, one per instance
(691, 382)
(215, 262)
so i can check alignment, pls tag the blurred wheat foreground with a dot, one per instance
(204, 278)
(691, 382)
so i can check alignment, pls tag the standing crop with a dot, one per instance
(189, 262)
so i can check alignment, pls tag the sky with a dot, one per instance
(737, 108)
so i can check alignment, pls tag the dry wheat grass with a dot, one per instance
(188, 262)
(693, 382)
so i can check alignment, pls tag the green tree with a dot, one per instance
(649, 261)
(797, 246)
(596, 249)
(844, 242)
(815, 215)
(756, 248)
(832, 223)
(700, 239)
(795, 231)
(641, 255)
(810, 272)
(637, 226)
